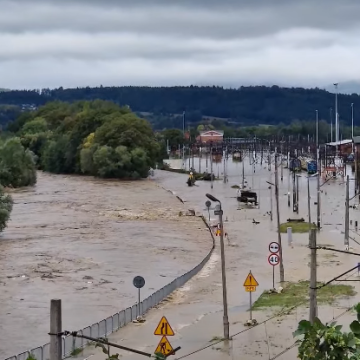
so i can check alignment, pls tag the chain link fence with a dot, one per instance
(105, 327)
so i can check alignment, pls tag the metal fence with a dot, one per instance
(113, 323)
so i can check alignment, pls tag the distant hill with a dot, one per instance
(246, 105)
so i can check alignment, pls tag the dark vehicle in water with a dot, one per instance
(247, 196)
(295, 165)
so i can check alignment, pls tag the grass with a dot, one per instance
(297, 227)
(76, 351)
(295, 293)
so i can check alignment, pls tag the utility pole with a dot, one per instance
(282, 275)
(223, 267)
(336, 117)
(352, 125)
(225, 166)
(294, 192)
(312, 290)
(55, 330)
(331, 126)
(318, 169)
(297, 194)
(309, 208)
(271, 201)
(318, 190)
(347, 220)
(243, 169)
(211, 167)
(183, 149)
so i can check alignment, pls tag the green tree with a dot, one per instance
(17, 165)
(6, 204)
(320, 341)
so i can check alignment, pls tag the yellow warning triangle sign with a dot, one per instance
(164, 328)
(250, 280)
(164, 346)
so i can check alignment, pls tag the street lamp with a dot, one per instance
(208, 204)
(352, 125)
(336, 114)
(223, 271)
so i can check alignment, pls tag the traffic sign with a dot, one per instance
(164, 347)
(273, 259)
(250, 281)
(250, 288)
(138, 282)
(274, 247)
(164, 328)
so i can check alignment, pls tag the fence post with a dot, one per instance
(55, 329)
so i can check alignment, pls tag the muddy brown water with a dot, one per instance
(83, 240)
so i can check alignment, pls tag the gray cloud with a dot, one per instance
(88, 42)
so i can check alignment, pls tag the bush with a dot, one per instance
(6, 204)
(17, 165)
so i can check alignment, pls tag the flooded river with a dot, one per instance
(83, 240)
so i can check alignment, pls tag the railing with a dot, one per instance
(113, 323)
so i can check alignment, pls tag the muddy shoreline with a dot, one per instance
(83, 240)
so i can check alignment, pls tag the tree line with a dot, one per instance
(164, 106)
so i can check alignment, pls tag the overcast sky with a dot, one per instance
(69, 43)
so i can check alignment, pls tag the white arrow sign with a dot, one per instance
(274, 247)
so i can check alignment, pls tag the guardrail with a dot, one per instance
(113, 323)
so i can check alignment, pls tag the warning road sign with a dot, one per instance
(164, 328)
(250, 280)
(164, 346)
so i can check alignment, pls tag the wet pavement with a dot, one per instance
(83, 240)
(195, 311)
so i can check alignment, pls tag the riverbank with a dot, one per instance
(76, 238)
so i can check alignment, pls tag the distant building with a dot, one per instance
(210, 136)
(343, 146)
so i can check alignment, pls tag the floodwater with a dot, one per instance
(83, 240)
(195, 311)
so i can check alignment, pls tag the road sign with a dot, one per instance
(250, 280)
(164, 346)
(138, 282)
(274, 247)
(273, 259)
(164, 328)
(250, 288)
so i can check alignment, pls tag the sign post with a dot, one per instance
(139, 283)
(164, 329)
(274, 249)
(250, 285)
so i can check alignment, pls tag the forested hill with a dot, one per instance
(246, 105)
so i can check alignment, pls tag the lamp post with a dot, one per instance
(352, 126)
(336, 117)
(223, 268)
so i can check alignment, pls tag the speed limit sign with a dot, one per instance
(273, 259)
